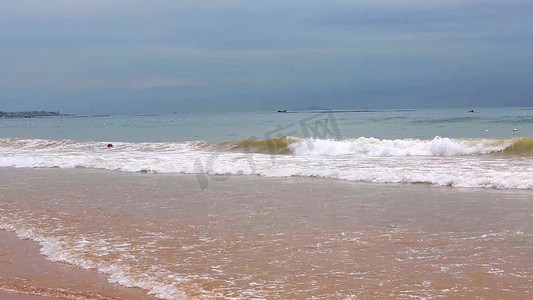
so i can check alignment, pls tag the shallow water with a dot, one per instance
(253, 237)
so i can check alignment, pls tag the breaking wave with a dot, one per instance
(303, 146)
(503, 163)
(414, 147)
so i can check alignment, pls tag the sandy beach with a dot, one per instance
(15, 296)
(25, 274)
(245, 237)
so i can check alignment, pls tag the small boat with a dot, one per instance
(282, 110)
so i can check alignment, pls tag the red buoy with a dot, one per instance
(109, 145)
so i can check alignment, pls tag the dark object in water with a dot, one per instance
(282, 110)
(471, 111)
(109, 145)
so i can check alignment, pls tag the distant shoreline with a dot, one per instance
(30, 114)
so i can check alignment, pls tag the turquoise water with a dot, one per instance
(420, 124)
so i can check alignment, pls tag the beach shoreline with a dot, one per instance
(26, 274)
(239, 236)
(9, 244)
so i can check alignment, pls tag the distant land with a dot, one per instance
(30, 114)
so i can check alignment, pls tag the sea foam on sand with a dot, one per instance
(257, 237)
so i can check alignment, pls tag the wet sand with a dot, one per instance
(15, 252)
(16, 296)
(28, 273)
(248, 237)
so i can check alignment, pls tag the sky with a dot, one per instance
(110, 56)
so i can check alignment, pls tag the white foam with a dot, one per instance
(399, 147)
(441, 161)
(57, 250)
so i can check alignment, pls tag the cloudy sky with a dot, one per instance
(108, 56)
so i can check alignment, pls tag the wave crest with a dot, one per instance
(496, 163)
(439, 146)
(412, 147)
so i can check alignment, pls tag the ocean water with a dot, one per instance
(432, 203)
(491, 148)
(221, 127)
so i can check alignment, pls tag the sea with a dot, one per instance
(490, 148)
(359, 204)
